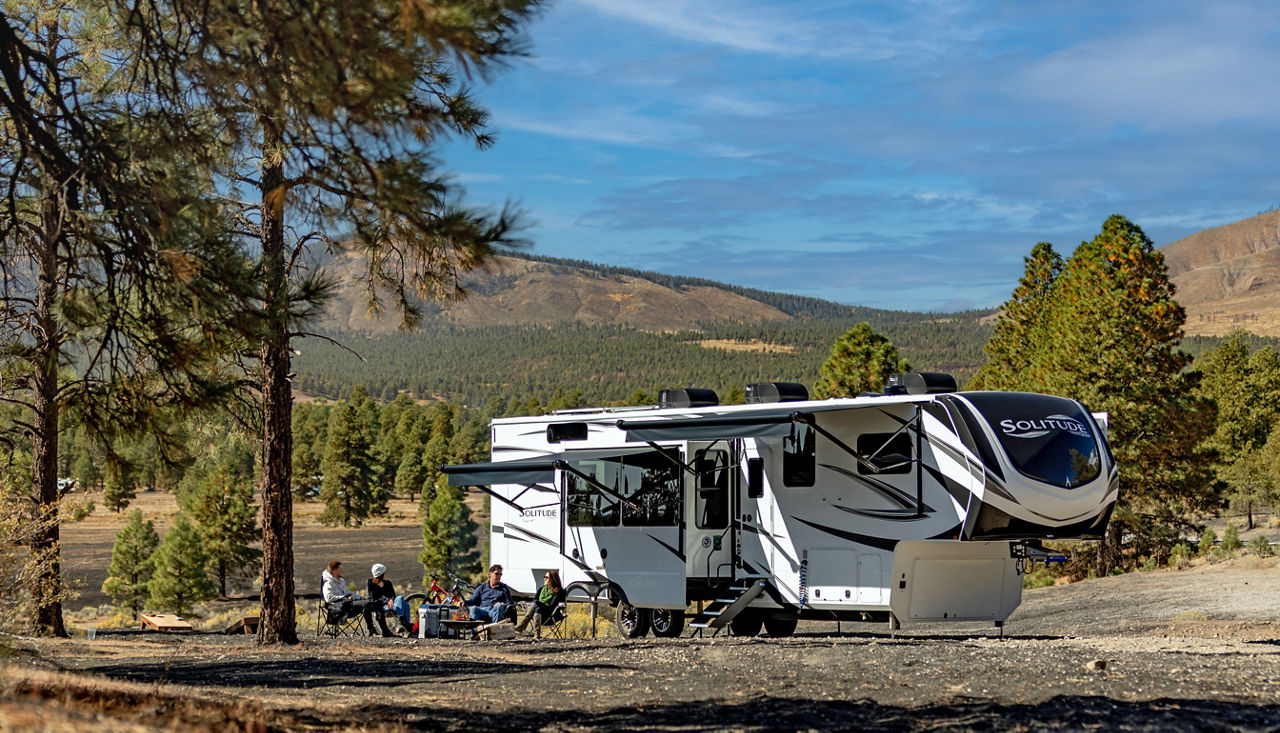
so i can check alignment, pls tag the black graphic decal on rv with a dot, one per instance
(670, 549)
(891, 493)
(881, 543)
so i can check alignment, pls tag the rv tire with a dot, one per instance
(747, 623)
(778, 626)
(666, 623)
(633, 622)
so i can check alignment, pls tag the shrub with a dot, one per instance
(1207, 538)
(1151, 563)
(1041, 577)
(1231, 539)
(1180, 556)
(1261, 547)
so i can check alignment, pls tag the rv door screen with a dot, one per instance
(651, 484)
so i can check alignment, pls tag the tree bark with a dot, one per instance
(278, 624)
(46, 546)
(1108, 550)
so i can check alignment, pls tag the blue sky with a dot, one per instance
(901, 155)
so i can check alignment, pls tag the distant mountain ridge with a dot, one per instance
(536, 290)
(1228, 277)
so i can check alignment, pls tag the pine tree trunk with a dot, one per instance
(46, 546)
(1108, 550)
(278, 624)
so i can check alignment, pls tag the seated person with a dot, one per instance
(335, 594)
(492, 599)
(380, 590)
(550, 596)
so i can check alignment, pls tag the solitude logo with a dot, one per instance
(1042, 427)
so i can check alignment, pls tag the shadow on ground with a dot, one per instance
(313, 673)
(1059, 713)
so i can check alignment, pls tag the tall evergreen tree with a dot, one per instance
(1107, 334)
(349, 490)
(132, 563)
(449, 535)
(861, 361)
(111, 256)
(1022, 327)
(226, 518)
(335, 108)
(181, 577)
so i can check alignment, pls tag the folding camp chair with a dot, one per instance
(555, 626)
(338, 619)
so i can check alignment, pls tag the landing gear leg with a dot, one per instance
(893, 626)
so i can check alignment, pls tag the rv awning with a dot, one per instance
(526, 471)
(770, 423)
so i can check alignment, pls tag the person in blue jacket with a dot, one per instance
(492, 600)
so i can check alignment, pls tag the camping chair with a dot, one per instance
(554, 627)
(338, 619)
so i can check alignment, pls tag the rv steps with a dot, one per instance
(722, 610)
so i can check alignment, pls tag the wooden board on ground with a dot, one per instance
(246, 625)
(163, 622)
(498, 631)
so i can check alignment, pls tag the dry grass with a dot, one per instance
(752, 345)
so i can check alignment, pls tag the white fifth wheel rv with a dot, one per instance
(922, 504)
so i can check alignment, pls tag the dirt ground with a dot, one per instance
(1165, 650)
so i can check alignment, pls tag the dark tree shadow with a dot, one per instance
(768, 713)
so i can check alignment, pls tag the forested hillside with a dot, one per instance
(607, 363)
(538, 356)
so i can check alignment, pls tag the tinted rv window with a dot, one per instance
(1046, 438)
(890, 452)
(798, 463)
(652, 484)
(588, 506)
(711, 503)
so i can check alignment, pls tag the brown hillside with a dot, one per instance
(514, 291)
(1228, 277)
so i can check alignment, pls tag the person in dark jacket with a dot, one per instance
(491, 601)
(380, 591)
(550, 597)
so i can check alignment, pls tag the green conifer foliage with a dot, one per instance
(132, 564)
(1022, 327)
(227, 519)
(181, 577)
(1105, 330)
(861, 361)
(349, 491)
(449, 535)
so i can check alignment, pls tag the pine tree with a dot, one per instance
(224, 514)
(110, 251)
(861, 361)
(449, 535)
(349, 491)
(181, 577)
(1106, 333)
(132, 563)
(118, 489)
(337, 106)
(1022, 328)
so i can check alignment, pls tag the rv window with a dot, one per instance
(588, 506)
(653, 484)
(798, 462)
(712, 502)
(895, 457)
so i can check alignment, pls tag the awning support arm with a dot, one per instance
(668, 455)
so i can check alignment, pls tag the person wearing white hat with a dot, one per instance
(383, 593)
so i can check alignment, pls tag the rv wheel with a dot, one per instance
(747, 623)
(666, 623)
(780, 626)
(633, 622)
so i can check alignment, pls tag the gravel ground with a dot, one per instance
(1191, 650)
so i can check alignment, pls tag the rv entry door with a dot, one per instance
(710, 509)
